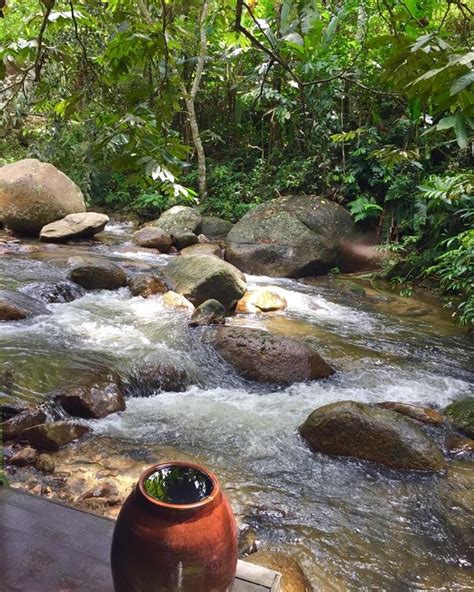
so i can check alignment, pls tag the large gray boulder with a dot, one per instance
(367, 432)
(212, 226)
(33, 194)
(74, 226)
(179, 220)
(15, 306)
(202, 277)
(292, 236)
(264, 357)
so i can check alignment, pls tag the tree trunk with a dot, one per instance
(189, 98)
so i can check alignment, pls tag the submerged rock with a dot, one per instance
(461, 415)
(98, 274)
(52, 436)
(14, 427)
(261, 300)
(33, 194)
(64, 291)
(74, 226)
(423, 414)
(25, 456)
(146, 285)
(293, 577)
(15, 306)
(362, 431)
(154, 238)
(97, 399)
(179, 220)
(212, 226)
(201, 277)
(292, 236)
(210, 312)
(150, 378)
(263, 357)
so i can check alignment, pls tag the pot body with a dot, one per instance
(162, 548)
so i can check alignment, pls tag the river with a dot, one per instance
(352, 524)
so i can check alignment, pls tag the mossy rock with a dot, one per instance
(350, 428)
(461, 415)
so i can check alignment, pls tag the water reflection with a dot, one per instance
(179, 485)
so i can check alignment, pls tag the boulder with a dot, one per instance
(211, 249)
(98, 274)
(293, 577)
(33, 194)
(153, 238)
(292, 236)
(461, 415)
(52, 436)
(210, 312)
(45, 464)
(263, 357)
(212, 226)
(15, 306)
(366, 432)
(99, 398)
(202, 277)
(177, 301)
(63, 291)
(149, 378)
(423, 414)
(73, 226)
(260, 300)
(182, 240)
(145, 285)
(25, 456)
(15, 426)
(178, 220)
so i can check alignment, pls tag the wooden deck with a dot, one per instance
(50, 547)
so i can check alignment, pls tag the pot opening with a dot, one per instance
(177, 484)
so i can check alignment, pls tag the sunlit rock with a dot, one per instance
(261, 300)
(73, 226)
(33, 194)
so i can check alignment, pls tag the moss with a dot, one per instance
(461, 415)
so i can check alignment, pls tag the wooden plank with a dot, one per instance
(47, 546)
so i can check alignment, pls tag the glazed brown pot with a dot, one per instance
(170, 547)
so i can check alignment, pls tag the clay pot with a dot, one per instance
(160, 546)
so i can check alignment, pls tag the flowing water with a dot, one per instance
(352, 524)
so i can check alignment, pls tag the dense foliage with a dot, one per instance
(152, 102)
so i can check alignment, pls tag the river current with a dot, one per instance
(353, 525)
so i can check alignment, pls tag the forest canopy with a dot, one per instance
(227, 103)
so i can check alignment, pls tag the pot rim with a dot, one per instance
(204, 502)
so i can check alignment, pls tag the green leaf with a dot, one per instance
(461, 83)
